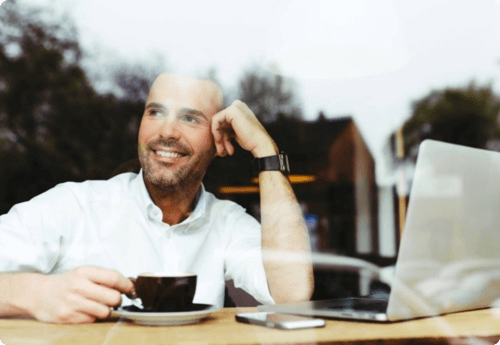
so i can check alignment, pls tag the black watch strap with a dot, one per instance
(278, 162)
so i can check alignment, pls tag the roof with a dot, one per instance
(306, 143)
(295, 136)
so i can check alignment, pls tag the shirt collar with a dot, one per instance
(146, 203)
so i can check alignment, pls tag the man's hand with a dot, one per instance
(239, 122)
(81, 295)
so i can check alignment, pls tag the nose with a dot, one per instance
(170, 129)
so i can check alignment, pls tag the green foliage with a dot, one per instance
(466, 116)
(54, 127)
(270, 96)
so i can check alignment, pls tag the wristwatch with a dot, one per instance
(278, 162)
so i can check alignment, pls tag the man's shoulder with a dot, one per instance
(71, 196)
(227, 209)
(215, 203)
(119, 184)
(230, 219)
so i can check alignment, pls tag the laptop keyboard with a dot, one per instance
(358, 304)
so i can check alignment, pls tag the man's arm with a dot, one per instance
(285, 239)
(81, 295)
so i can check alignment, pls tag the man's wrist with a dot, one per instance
(270, 149)
(271, 163)
(18, 293)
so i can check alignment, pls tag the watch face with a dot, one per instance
(284, 165)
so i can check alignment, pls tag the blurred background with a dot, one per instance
(348, 88)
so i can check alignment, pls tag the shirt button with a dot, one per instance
(168, 234)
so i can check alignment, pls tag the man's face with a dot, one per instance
(175, 143)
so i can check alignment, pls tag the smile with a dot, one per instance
(169, 154)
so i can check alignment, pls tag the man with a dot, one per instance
(66, 253)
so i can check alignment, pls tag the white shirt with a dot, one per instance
(115, 224)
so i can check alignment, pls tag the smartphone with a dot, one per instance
(280, 321)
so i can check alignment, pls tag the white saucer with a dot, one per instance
(165, 319)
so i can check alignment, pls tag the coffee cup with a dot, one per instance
(165, 292)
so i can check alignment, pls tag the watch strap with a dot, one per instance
(278, 163)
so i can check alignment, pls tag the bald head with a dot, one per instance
(205, 95)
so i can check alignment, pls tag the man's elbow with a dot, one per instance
(295, 294)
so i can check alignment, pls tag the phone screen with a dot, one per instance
(281, 321)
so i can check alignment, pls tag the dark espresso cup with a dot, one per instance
(164, 292)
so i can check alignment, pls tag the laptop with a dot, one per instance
(449, 257)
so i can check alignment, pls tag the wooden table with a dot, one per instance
(475, 327)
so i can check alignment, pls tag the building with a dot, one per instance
(333, 173)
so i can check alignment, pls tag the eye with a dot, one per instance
(190, 119)
(155, 112)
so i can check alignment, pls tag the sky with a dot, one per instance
(369, 59)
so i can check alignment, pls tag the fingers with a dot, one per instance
(78, 309)
(83, 294)
(106, 277)
(90, 308)
(98, 293)
(228, 145)
(103, 285)
(239, 122)
(217, 134)
(71, 317)
(222, 132)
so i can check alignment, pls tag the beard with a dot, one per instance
(165, 178)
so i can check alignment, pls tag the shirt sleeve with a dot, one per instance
(243, 261)
(31, 233)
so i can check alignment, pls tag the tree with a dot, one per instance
(269, 95)
(466, 116)
(54, 126)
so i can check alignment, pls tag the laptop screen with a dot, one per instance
(449, 258)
